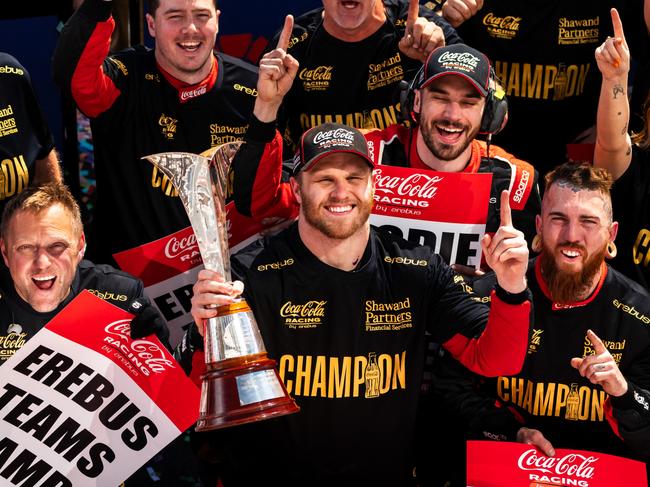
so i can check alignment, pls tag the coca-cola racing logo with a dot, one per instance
(459, 61)
(336, 137)
(143, 356)
(415, 190)
(184, 248)
(571, 469)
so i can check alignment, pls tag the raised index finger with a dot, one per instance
(599, 346)
(285, 35)
(414, 12)
(506, 214)
(617, 24)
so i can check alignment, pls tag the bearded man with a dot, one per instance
(585, 383)
(335, 300)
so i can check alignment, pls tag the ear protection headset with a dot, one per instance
(495, 114)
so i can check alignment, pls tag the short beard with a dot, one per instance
(444, 152)
(329, 228)
(569, 287)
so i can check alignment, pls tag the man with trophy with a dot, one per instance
(343, 309)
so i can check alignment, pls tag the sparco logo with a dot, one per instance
(321, 73)
(188, 94)
(573, 464)
(414, 185)
(333, 134)
(310, 308)
(176, 247)
(508, 22)
(521, 189)
(460, 58)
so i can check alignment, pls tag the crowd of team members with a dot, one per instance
(348, 87)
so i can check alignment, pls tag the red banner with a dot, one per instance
(505, 464)
(446, 211)
(84, 404)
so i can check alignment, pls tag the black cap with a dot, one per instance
(460, 60)
(329, 138)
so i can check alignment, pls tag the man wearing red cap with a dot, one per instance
(452, 100)
(343, 308)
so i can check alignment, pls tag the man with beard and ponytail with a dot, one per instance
(343, 308)
(585, 383)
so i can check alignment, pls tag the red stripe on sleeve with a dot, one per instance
(93, 91)
(271, 196)
(609, 416)
(501, 349)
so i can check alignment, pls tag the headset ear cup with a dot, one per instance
(405, 100)
(495, 114)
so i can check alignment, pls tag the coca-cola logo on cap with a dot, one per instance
(464, 61)
(327, 138)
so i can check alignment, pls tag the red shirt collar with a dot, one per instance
(187, 92)
(558, 306)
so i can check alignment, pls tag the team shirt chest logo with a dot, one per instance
(506, 27)
(535, 341)
(316, 79)
(303, 315)
(578, 31)
(12, 341)
(168, 125)
(393, 316)
(386, 72)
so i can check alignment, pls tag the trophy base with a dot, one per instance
(242, 390)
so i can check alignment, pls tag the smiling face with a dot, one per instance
(42, 251)
(353, 20)
(575, 227)
(450, 111)
(185, 33)
(335, 195)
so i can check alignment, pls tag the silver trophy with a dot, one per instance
(241, 383)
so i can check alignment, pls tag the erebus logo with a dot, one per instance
(138, 355)
(176, 247)
(573, 464)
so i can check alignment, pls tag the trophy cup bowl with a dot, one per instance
(241, 384)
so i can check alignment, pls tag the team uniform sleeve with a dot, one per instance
(489, 342)
(80, 65)
(629, 414)
(525, 197)
(260, 181)
(466, 396)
